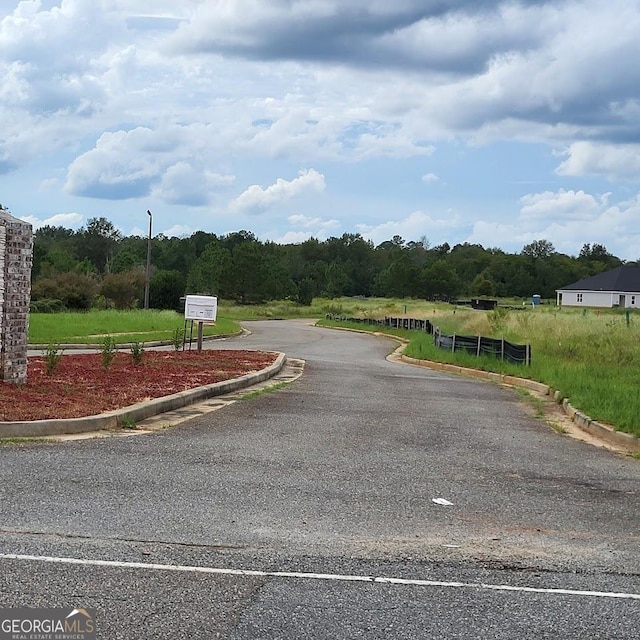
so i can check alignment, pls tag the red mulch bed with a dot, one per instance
(80, 386)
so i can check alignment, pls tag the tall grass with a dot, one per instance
(274, 310)
(375, 307)
(591, 357)
(124, 326)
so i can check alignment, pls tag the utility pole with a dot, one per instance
(147, 280)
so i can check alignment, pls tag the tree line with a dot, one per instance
(98, 266)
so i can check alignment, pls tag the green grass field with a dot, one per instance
(123, 326)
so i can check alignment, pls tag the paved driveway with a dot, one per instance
(309, 512)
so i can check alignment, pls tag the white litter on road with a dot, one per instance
(442, 501)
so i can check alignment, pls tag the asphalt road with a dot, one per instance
(308, 512)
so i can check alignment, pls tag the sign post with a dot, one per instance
(201, 309)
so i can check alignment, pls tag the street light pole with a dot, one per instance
(147, 280)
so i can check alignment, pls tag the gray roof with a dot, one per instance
(622, 279)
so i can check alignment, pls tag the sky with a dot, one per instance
(480, 121)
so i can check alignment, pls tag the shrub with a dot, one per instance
(76, 290)
(177, 339)
(305, 292)
(47, 305)
(123, 289)
(334, 309)
(497, 318)
(52, 356)
(108, 351)
(137, 351)
(166, 288)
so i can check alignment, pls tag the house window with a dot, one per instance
(579, 297)
(633, 301)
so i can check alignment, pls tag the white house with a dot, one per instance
(619, 287)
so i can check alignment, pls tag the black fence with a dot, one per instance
(477, 345)
(412, 324)
(480, 345)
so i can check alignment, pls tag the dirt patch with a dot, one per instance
(553, 414)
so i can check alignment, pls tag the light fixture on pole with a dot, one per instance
(147, 280)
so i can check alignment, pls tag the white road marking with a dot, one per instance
(315, 576)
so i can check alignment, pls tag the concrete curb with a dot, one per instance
(625, 440)
(135, 413)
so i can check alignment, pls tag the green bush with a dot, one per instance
(107, 351)
(76, 290)
(497, 319)
(122, 290)
(334, 309)
(137, 351)
(46, 305)
(305, 292)
(177, 339)
(52, 356)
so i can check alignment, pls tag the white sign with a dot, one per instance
(202, 308)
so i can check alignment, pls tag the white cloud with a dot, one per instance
(179, 231)
(620, 161)
(563, 205)
(430, 178)
(507, 236)
(316, 227)
(257, 198)
(57, 47)
(218, 179)
(396, 144)
(299, 220)
(173, 231)
(183, 184)
(465, 69)
(67, 220)
(479, 65)
(14, 89)
(414, 226)
(144, 161)
(313, 227)
(112, 171)
(613, 225)
(303, 221)
(48, 183)
(293, 237)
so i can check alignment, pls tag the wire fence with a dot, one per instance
(476, 345)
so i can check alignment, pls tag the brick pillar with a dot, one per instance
(16, 258)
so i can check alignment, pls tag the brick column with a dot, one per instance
(16, 259)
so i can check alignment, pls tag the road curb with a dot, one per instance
(112, 420)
